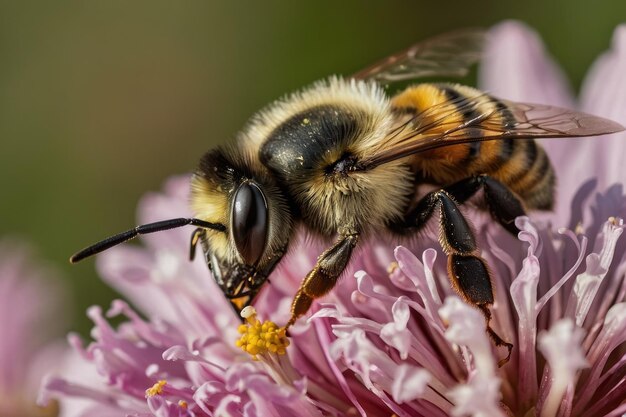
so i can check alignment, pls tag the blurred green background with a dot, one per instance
(100, 101)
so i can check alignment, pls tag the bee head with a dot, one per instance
(230, 189)
(243, 223)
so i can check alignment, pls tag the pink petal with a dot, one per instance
(602, 91)
(421, 275)
(31, 303)
(466, 326)
(375, 368)
(230, 406)
(479, 398)
(524, 297)
(517, 67)
(396, 333)
(128, 269)
(587, 284)
(562, 348)
(604, 94)
(409, 383)
(52, 386)
(578, 160)
(160, 407)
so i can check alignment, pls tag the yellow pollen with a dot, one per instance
(615, 221)
(183, 404)
(156, 389)
(579, 230)
(392, 267)
(259, 337)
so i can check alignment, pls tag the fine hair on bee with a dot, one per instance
(345, 161)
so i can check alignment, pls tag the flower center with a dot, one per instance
(156, 389)
(258, 338)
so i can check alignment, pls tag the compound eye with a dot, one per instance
(249, 222)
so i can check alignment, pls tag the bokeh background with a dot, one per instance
(100, 101)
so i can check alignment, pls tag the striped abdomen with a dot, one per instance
(521, 164)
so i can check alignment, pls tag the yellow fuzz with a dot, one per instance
(156, 389)
(183, 404)
(258, 338)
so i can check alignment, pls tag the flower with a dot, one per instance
(28, 296)
(184, 361)
(391, 339)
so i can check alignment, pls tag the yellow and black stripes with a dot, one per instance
(520, 164)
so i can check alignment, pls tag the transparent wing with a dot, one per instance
(448, 55)
(440, 126)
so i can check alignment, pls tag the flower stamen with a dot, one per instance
(258, 338)
(156, 389)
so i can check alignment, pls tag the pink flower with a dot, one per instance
(29, 299)
(392, 340)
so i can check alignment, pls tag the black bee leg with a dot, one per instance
(196, 236)
(504, 206)
(468, 272)
(199, 236)
(497, 340)
(324, 275)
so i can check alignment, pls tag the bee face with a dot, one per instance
(231, 190)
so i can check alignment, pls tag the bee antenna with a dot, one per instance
(142, 230)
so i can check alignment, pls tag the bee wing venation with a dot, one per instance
(544, 121)
(426, 131)
(448, 55)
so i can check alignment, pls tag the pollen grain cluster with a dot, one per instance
(156, 389)
(258, 338)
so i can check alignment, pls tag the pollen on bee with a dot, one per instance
(258, 338)
(156, 389)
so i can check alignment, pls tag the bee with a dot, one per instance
(345, 161)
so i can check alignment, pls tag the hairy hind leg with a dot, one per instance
(467, 270)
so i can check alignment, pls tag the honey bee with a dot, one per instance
(344, 160)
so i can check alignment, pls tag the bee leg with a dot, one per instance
(468, 272)
(324, 275)
(497, 340)
(504, 206)
(195, 238)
